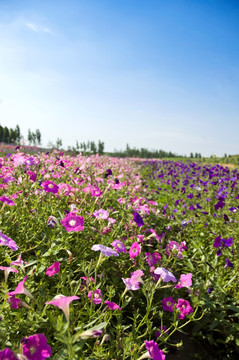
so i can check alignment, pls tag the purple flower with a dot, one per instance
(96, 296)
(101, 214)
(35, 347)
(217, 242)
(228, 263)
(53, 269)
(138, 219)
(14, 302)
(5, 240)
(119, 246)
(168, 304)
(105, 250)
(50, 186)
(19, 262)
(154, 351)
(7, 201)
(227, 242)
(72, 222)
(165, 274)
(7, 354)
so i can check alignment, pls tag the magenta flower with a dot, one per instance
(14, 302)
(119, 246)
(53, 269)
(152, 259)
(168, 304)
(134, 281)
(35, 347)
(32, 175)
(101, 214)
(20, 289)
(63, 302)
(7, 270)
(185, 281)
(105, 250)
(96, 296)
(50, 186)
(7, 201)
(184, 308)
(154, 351)
(7, 354)
(112, 305)
(134, 250)
(72, 222)
(19, 262)
(166, 275)
(6, 241)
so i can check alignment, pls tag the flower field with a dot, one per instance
(105, 258)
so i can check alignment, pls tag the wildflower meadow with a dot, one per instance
(109, 258)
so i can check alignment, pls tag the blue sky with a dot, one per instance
(155, 74)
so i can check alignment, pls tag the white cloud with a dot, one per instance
(38, 28)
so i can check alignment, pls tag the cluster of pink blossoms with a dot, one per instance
(183, 306)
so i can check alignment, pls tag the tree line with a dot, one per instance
(10, 136)
(144, 153)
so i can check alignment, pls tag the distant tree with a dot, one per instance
(77, 145)
(1, 133)
(18, 134)
(93, 147)
(29, 137)
(34, 138)
(12, 136)
(191, 155)
(6, 135)
(38, 136)
(58, 143)
(101, 147)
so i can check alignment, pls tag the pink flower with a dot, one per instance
(7, 270)
(20, 289)
(7, 354)
(134, 250)
(168, 304)
(96, 296)
(165, 274)
(53, 269)
(185, 281)
(119, 246)
(19, 262)
(152, 259)
(105, 250)
(173, 248)
(184, 308)
(35, 347)
(63, 302)
(32, 175)
(72, 222)
(101, 214)
(134, 281)
(154, 351)
(50, 186)
(112, 305)
(7, 201)
(14, 302)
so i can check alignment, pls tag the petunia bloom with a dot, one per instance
(105, 250)
(184, 308)
(7, 270)
(119, 246)
(63, 302)
(20, 289)
(101, 214)
(185, 281)
(35, 347)
(19, 262)
(138, 219)
(134, 250)
(96, 296)
(6, 241)
(112, 305)
(134, 281)
(165, 274)
(53, 269)
(72, 222)
(7, 201)
(50, 186)
(168, 304)
(7, 354)
(154, 351)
